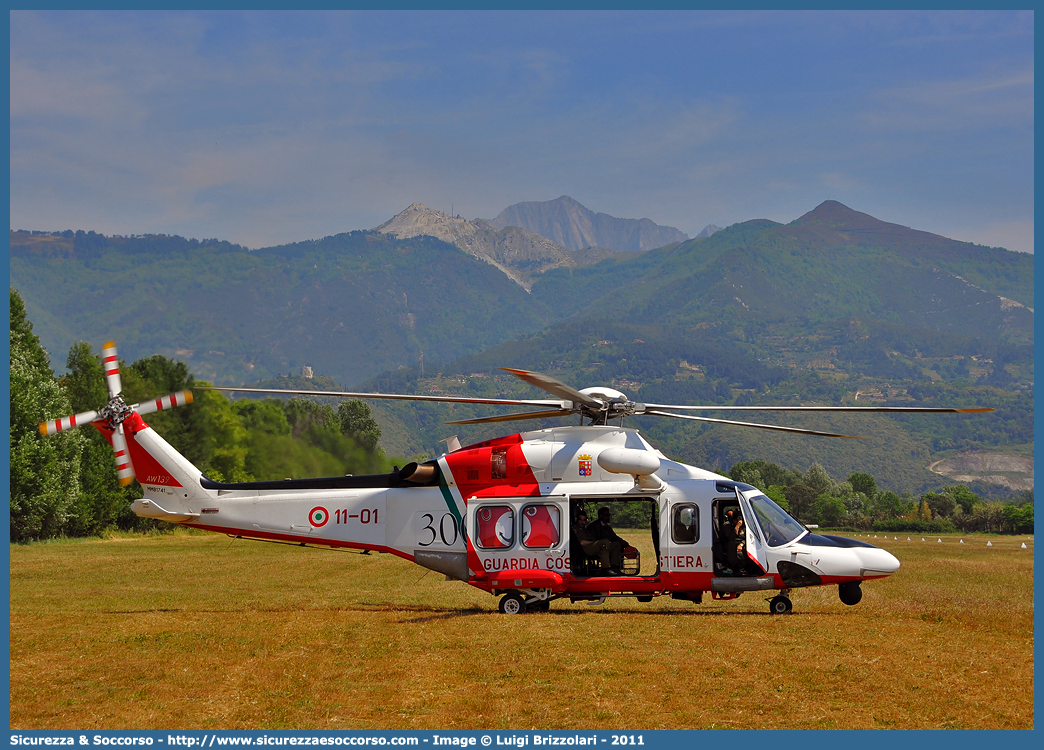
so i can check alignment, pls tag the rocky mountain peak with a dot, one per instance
(518, 252)
(417, 219)
(571, 224)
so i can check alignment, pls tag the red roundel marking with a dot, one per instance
(318, 516)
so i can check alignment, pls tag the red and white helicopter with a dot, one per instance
(501, 515)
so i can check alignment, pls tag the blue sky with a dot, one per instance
(265, 127)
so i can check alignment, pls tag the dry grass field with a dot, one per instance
(193, 631)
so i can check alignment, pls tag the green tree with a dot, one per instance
(262, 416)
(303, 414)
(888, 505)
(302, 438)
(818, 479)
(1019, 518)
(963, 497)
(770, 473)
(749, 475)
(85, 381)
(925, 512)
(185, 428)
(800, 498)
(942, 504)
(44, 470)
(863, 483)
(828, 510)
(358, 423)
(778, 495)
(225, 439)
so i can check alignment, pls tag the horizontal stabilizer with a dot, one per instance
(146, 508)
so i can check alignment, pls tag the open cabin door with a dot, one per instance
(755, 545)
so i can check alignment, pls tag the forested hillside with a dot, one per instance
(663, 365)
(65, 484)
(236, 315)
(835, 307)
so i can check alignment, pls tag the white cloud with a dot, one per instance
(987, 99)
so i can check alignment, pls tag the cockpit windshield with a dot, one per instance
(776, 525)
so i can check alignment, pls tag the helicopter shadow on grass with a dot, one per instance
(435, 614)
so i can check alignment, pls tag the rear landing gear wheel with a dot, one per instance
(538, 606)
(850, 592)
(780, 605)
(512, 604)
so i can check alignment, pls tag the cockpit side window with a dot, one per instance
(776, 525)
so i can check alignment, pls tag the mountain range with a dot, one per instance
(577, 227)
(836, 306)
(518, 252)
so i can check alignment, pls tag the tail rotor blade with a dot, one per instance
(54, 426)
(181, 398)
(111, 363)
(124, 468)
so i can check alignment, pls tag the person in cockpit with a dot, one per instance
(735, 540)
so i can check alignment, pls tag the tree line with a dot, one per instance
(66, 485)
(814, 497)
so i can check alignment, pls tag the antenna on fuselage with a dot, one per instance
(452, 443)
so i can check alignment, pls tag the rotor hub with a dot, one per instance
(612, 404)
(115, 412)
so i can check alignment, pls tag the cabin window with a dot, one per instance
(685, 525)
(496, 526)
(541, 525)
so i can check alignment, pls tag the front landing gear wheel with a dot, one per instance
(850, 592)
(512, 604)
(780, 605)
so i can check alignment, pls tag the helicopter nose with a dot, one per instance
(875, 562)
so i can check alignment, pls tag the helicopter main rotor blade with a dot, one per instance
(755, 424)
(518, 415)
(54, 426)
(393, 396)
(179, 398)
(111, 363)
(124, 467)
(909, 409)
(554, 387)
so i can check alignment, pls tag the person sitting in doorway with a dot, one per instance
(602, 530)
(597, 547)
